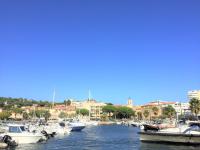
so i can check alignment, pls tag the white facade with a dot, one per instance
(181, 108)
(94, 107)
(194, 94)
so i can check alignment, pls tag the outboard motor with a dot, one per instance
(8, 140)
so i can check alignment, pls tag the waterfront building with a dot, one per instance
(180, 108)
(58, 108)
(94, 107)
(194, 94)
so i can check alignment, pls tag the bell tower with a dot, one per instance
(130, 102)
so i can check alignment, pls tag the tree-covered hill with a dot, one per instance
(19, 102)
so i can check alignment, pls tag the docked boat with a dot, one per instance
(21, 136)
(62, 129)
(135, 124)
(76, 126)
(189, 135)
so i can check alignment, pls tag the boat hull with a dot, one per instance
(25, 139)
(157, 137)
(77, 128)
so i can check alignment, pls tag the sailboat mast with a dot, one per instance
(54, 93)
(89, 95)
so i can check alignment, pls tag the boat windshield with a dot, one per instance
(22, 128)
(14, 129)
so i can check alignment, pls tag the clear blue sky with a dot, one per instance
(143, 49)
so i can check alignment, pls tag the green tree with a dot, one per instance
(169, 111)
(109, 109)
(146, 113)
(195, 106)
(104, 117)
(83, 112)
(109, 103)
(4, 115)
(125, 112)
(67, 102)
(139, 115)
(25, 115)
(155, 110)
(47, 115)
(63, 115)
(41, 113)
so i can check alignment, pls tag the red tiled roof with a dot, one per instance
(158, 103)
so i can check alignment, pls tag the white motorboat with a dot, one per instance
(90, 123)
(61, 128)
(21, 135)
(182, 135)
(76, 126)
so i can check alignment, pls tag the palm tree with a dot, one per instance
(195, 106)
(155, 110)
(169, 111)
(67, 102)
(146, 113)
(139, 115)
(25, 115)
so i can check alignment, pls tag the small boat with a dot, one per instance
(76, 126)
(22, 136)
(62, 129)
(182, 135)
(147, 127)
(135, 124)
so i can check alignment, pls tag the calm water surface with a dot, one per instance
(102, 138)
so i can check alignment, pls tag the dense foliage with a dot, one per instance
(4, 115)
(83, 112)
(155, 110)
(63, 115)
(195, 106)
(146, 113)
(169, 111)
(67, 102)
(109, 109)
(7, 102)
(118, 112)
(40, 114)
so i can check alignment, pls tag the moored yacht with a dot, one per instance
(181, 134)
(21, 135)
(76, 126)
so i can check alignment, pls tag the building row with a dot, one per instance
(95, 108)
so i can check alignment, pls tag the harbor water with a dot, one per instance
(113, 137)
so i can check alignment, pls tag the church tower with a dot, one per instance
(130, 102)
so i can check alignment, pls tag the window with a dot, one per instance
(14, 129)
(22, 128)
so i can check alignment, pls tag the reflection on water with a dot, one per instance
(101, 138)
